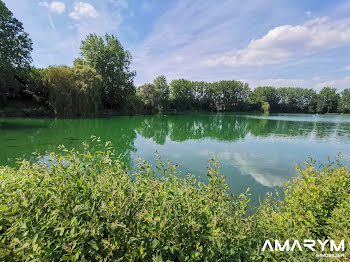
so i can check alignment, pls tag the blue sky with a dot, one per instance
(271, 42)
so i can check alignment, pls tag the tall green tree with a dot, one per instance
(148, 95)
(263, 94)
(327, 101)
(73, 91)
(112, 62)
(155, 96)
(294, 99)
(183, 94)
(15, 49)
(344, 102)
(163, 90)
(230, 95)
(35, 86)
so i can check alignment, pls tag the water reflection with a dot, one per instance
(50, 133)
(255, 151)
(263, 169)
(229, 127)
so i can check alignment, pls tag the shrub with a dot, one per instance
(88, 207)
(314, 205)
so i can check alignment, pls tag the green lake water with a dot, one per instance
(255, 151)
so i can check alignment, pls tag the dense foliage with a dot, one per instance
(327, 101)
(288, 99)
(217, 96)
(237, 96)
(73, 91)
(344, 102)
(112, 62)
(155, 96)
(15, 48)
(88, 207)
(314, 205)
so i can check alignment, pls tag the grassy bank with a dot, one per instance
(87, 207)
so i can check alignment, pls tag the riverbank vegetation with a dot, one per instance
(101, 82)
(88, 207)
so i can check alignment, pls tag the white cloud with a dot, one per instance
(278, 82)
(284, 42)
(192, 34)
(340, 84)
(55, 7)
(347, 67)
(316, 83)
(82, 9)
(188, 32)
(66, 43)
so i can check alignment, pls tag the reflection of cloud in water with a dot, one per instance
(345, 157)
(260, 167)
(206, 153)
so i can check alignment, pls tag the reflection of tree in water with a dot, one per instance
(155, 127)
(185, 127)
(228, 127)
(327, 130)
(343, 130)
(20, 137)
(266, 127)
(46, 135)
(323, 130)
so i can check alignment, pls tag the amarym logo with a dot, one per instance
(308, 243)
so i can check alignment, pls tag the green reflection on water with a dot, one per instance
(254, 151)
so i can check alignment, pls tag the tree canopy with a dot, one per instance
(344, 102)
(234, 96)
(155, 95)
(73, 91)
(162, 87)
(15, 49)
(327, 101)
(112, 62)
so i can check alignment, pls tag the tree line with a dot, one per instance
(101, 80)
(235, 96)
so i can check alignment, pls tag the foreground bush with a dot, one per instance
(88, 207)
(314, 206)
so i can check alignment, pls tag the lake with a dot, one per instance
(255, 151)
